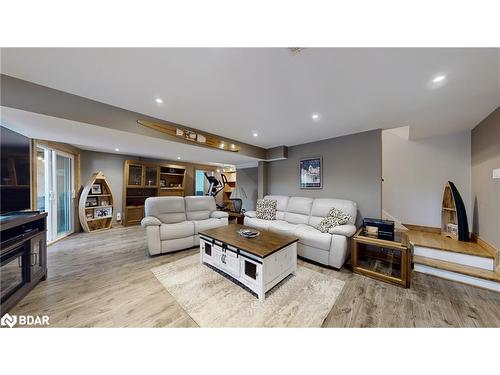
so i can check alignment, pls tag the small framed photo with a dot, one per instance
(104, 202)
(97, 188)
(311, 173)
(91, 202)
(89, 214)
(163, 182)
(103, 212)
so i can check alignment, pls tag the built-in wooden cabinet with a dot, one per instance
(143, 180)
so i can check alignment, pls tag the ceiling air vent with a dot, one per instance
(295, 50)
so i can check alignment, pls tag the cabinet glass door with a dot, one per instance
(135, 175)
(151, 176)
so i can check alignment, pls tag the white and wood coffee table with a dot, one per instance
(258, 263)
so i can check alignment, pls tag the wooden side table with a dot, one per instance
(234, 216)
(384, 260)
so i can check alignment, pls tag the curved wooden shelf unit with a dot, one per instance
(96, 210)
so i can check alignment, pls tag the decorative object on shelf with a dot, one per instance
(103, 212)
(191, 135)
(454, 222)
(93, 216)
(310, 173)
(163, 182)
(378, 228)
(97, 189)
(91, 202)
(237, 194)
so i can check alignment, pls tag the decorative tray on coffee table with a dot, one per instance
(248, 233)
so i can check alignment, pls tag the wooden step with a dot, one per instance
(440, 242)
(457, 268)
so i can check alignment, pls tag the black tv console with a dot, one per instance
(23, 255)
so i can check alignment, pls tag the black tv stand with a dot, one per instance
(23, 255)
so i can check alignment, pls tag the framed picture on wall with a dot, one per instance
(311, 173)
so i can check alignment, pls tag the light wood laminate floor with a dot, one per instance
(104, 280)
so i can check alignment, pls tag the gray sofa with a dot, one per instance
(173, 223)
(298, 216)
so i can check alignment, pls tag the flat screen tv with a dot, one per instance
(15, 166)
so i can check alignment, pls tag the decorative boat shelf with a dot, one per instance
(96, 204)
(453, 215)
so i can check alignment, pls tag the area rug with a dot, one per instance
(213, 300)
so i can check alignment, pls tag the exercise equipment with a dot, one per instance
(215, 186)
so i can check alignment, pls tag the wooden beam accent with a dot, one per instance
(192, 135)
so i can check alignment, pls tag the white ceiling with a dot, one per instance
(235, 92)
(98, 138)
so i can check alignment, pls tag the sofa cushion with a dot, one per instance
(298, 210)
(281, 203)
(335, 218)
(266, 209)
(167, 209)
(255, 222)
(312, 237)
(201, 225)
(321, 208)
(282, 227)
(199, 207)
(176, 230)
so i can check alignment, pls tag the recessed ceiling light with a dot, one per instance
(439, 78)
(218, 170)
(255, 134)
(117, 149)
(178, 158)
(315, 116)
(159, 100)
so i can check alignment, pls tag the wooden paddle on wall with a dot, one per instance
(191, 135)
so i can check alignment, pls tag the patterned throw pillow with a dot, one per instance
(335, 217)
(266, 209)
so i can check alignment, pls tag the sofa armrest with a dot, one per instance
(250, 213)
(218, 214)
(150, 221)
(347, 230)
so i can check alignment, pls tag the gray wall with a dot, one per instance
(352, 169)
(485, 156)
(247, 179)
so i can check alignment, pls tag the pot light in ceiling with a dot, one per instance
(255, 134)
(439, 78)
(218, 170)
(159, 100)
(315, 117)
(178, 158)
(117, 149)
